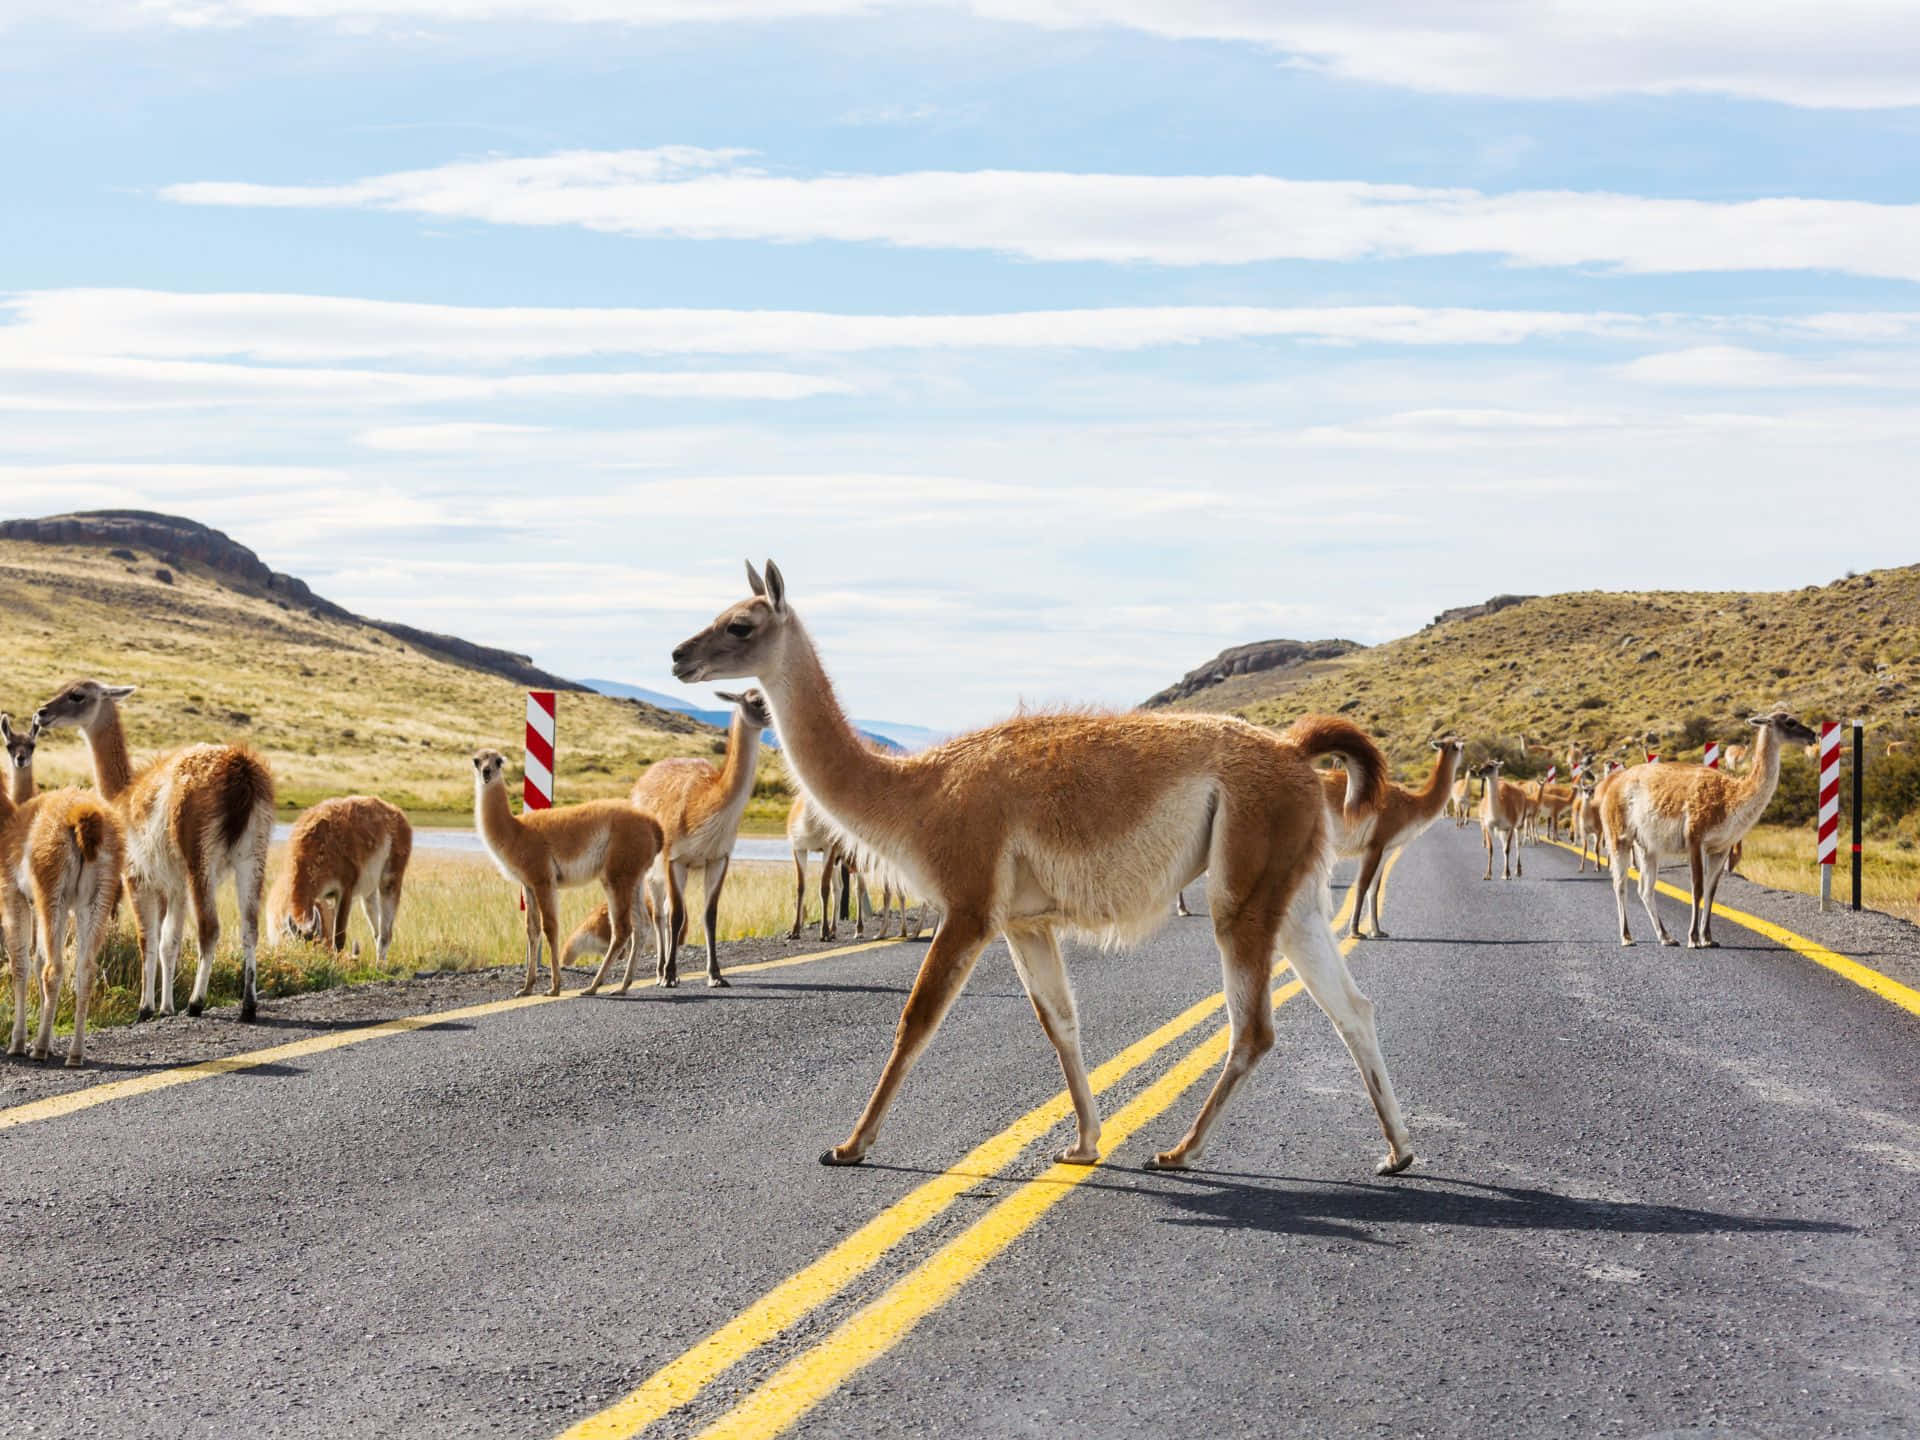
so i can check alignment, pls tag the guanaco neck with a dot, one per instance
(112, 768)
(498, 825)
(1439, 785)
(1764, 773)
(20, 783)
(835, 766)
(743, 759)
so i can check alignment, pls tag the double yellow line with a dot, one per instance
(1865, 976)
(790, 1392)
(74, 1101)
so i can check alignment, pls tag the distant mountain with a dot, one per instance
(885, 734)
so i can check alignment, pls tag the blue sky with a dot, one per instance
(1049, 346)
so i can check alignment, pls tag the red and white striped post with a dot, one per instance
(1653, 757)
(1829, 807)
(536, 792)
(1711, 759)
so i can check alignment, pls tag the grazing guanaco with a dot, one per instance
(1503, 810)
(545, 851)
(20, 749)
(60, 857)
(698, 805)
(192, 817)
(1084, 824)
(1649, 811)
(352, 848)
(1400, 818)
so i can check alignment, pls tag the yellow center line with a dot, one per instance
(781, 1308)
(1865, 976)
(74, 1101)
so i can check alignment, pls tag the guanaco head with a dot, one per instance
(1450, 742)
(1491, 770)
(488, 766)
(19, 746)
(743, 638)
(1784, 727)
(304, 927)
(79, 704)
(753, 707)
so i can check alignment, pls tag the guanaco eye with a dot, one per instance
(740, 628)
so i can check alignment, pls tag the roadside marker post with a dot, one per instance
(536, 791)
(1829, 843)
(1712, 757)
(1859, 787)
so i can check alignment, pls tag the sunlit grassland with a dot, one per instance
(457, 912)
(1785, 858)
(336, 708)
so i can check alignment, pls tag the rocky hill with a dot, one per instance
(1292, 657)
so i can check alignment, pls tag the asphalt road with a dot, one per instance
(1659, 1192)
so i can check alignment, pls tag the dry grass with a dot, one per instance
(456, 913)
(335, 708)
(1783, 857)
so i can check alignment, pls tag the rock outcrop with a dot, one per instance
(1246, 660)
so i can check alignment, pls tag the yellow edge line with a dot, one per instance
(74, 1101)
(680, 1380)
(1865, 976)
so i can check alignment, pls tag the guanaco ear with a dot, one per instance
(117, 692)
(6, 728)
(754, 582)
(776, 589)
(730, 697)
(1759, 722)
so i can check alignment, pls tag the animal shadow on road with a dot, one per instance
(1290, 1205)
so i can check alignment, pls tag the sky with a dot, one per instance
(1049, 346)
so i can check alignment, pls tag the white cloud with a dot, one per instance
(1164, 220)
(1734, 367)
(304, 329)
(1827, 53)
(53, 381)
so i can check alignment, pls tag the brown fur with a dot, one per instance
(1076, 823)
(544, 851)
(698, 805)
(1648, 811)
(191, 818)
(1397, 819)
(353, 847)
(71, 848)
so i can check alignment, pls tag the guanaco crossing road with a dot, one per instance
(1659, 1191)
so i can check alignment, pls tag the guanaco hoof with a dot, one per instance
(249, 1008)
(1072, 1156)
(146, 1012)
(1165, 1160)
(1393, 1164)
(74, 1062)
(194, 1007)
(718, 982)
(832, 1157)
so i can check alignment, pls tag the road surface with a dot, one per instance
(1659, 1192)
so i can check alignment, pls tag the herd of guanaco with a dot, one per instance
(1038, 828)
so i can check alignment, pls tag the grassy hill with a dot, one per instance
(336, 705)
(1604, 668)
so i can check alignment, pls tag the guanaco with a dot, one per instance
(545, 851)
(698, 805)
(1649, 811)
(60, 857)
(1077, 823)
(352, 848)
(1503, 811)
(1399, 819)
(20, 747)
(191, 818)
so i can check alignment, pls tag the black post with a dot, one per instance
(1859, 787)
